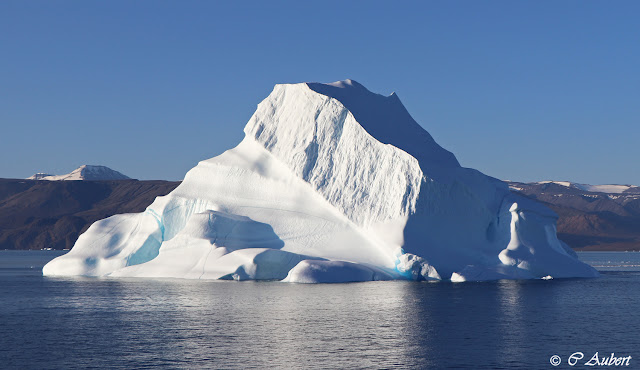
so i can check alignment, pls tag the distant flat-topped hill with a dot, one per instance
(52, 214)
(84, 172)
(591, 217)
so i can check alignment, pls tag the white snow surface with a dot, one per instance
(332, 183)
(610, 189)
(84, 172)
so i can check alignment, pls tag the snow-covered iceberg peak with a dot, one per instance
(388, 121)
(331, 183)
(321, 142)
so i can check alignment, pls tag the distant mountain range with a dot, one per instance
(36, 214)
(85, 172)
(591, 217)
(606, 189)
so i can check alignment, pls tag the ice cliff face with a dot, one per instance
(325, 146)
(331, 183)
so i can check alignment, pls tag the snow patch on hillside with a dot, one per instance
(84, 172)
(609, 189)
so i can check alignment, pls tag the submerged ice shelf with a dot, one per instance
(332, 183)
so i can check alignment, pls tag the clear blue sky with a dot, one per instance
(522, 90)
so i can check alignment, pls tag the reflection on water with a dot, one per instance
(133, 323)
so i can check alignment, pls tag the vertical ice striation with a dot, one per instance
(321, 142)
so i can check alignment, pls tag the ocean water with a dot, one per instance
(67, 323)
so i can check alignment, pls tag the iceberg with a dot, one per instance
(84, 172)
(331, 183)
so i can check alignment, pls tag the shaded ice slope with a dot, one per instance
(331, 183)
(387, 120)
